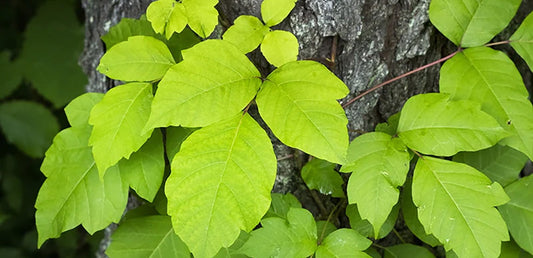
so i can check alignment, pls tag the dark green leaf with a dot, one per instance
(280, 205)
(321, 175)
(365, 228)
(11, 74)
(407, 251)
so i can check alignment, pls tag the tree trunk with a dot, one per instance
(364, 42)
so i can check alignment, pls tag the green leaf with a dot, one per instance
(471, 23)
(177, 20)
(281, 203)
(365, 228)
(144, 170)
(321, 175)
(11, 74)
(220, 183)
(407, 251)
(518, 213)
(202, 16)
(500, 163)
(345, 242)
(49, 56)
(79, 109)
(28, 125)
(126, 28)
(456, 204)
(410, 216)
(298, 102)
(174, 138)
(215, 81)
(233, 250)
(73, 193)
(118, 122)
(141, 58)
(178, 42)
(522, 40)
(158, 13)
(380, 164)
(491, 78)
(294, 237)
(150, 236)
(391, 126)
(324, 228)
(280, 47)
(512, 250)
(275, 11)
(434, 124)
(246, 33)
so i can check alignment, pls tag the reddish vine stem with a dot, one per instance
(498, 43)
(400, 77)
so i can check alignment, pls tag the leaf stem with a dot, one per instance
(498, 43)
(398, 235)
(400, 77)
(329, 218)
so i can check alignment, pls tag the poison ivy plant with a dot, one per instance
(210, 169)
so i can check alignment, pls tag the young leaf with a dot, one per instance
(11, 74)
(215, 81)
(471, 23)
(150, 236)
(433, 124)
(73, 193)
(118, 122)
(407, 251)
(220, 183)
(280, 47)
(280, 205)
(202, 16)
(522, 40)
(380, 164)
(246, 33)
(158, 13)
(500, 163)
(391, 126)
(126, 28)
(491, 78)
(456, 204)
(321, 175)
(177, 20)
(28, 125)
(345, 243)
(294, 237)
(53, 42)
(174, 138)
(365, 228)
(141, 58)
(78, 109)
(143, 171)
(298, 102)
(518, 213)
(410, 216)
(275, 11)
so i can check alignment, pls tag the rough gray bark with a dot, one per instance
(375, 40)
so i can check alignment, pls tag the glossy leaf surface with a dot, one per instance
(491, 78)
(28, 125)
(379, 164)
(275, 11)
(434, 124)
(522, 40)
(215, 81)
(471, 23)
(346, 243)
(118, 122)
(140, 58)
(321, 175)
(500, 163)
(456, 204)
(143, 171)
(220, 183)
(73, 193)
(280, 47)
(246, 33)
(146, 237)
(518, 213)
(294, 237)
(298, 102)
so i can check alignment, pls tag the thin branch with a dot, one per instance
(400, 77)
